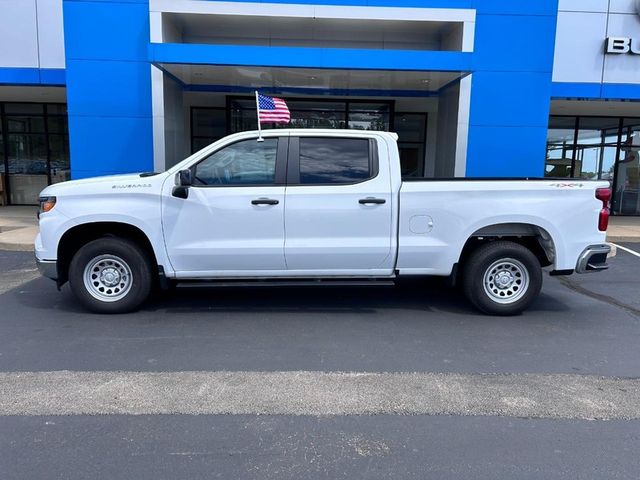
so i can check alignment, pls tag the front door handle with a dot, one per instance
(371, 200)
(264, 201)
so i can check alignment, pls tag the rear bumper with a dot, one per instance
(593, 259)
(48, 268)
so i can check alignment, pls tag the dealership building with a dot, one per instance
(474, 88)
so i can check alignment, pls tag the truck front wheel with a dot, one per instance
(502, 278)
(110, 275)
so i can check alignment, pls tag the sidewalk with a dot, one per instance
(624, 229)
(19, 227)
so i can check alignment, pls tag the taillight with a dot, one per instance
(604, 195)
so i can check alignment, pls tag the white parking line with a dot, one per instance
(567, 396)
(628, 250)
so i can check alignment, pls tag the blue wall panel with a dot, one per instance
(506, 151)
(32, 76)
(510, 99)
(108, 30)
(108, 86)
(517, 7)
(515, 42)
(113, 88)
(511, 86)
(596, 91)
(110, 145)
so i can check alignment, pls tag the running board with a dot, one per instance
(306, 282)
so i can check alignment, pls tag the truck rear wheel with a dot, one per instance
(110, 275)
(502, 278)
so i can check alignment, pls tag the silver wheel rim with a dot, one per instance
(506, 281)
(107, 278)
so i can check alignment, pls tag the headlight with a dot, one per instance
(46, 204)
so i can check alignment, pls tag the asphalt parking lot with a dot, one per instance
(400, 382)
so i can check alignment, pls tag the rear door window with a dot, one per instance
(335, 161)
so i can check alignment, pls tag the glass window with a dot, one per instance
(334, 160)
(27, 154)
(59, 158)
(411, 159)
(243, 120)
(198, 144)
(316, 119)
(34, 148)
(314, 105)
(24, 108)
(589, 159)
(560, 151)
(208, 122)
(2, 167)
(57, 109)
(410, 127)
(57, 124)
(369, 121)
(207, 126)
(25, 124)
(243, 163)
(598, 130)
(626, 198)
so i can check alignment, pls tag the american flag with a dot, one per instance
(273, 110)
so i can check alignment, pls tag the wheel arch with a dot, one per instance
(77, 236)
(530, 235)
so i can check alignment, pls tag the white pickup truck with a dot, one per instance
(314, 207)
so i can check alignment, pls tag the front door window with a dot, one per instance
(243, 163)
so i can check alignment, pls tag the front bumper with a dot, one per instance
(48, 268)
(593, 259)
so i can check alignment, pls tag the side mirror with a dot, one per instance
(183, 182)
(184, 178)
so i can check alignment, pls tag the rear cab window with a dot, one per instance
(331, 160)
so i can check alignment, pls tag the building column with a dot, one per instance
(108, 86)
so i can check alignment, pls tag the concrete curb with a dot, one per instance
(16, 247)
(623, 239)
(18, 238)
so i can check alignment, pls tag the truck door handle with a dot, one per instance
(369, 200)
(264, 201)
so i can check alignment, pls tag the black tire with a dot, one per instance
(515, 270)
(129, 275)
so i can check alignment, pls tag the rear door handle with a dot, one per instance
(371, 200)
(264, 201)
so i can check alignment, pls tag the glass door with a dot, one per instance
(26, 152)
(34, 150)
(626, 198)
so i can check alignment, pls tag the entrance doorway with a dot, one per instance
(209, 124)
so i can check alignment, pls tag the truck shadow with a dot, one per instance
(422, 296)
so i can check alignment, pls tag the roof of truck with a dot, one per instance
(322, 131)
